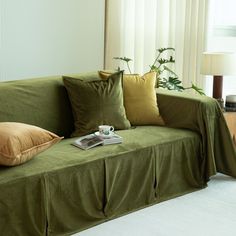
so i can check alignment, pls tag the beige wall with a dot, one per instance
(50, 37)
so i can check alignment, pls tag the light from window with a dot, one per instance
(224, 18)
(224, 13)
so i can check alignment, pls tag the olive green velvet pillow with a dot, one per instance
(96, 102)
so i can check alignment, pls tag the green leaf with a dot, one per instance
(126, 59)
(169, 70)
(156, 69)
(162, 61)
(197, 89)
(172, 83)
(171, 60)
(161, 50)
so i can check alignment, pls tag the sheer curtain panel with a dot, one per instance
(136, 28)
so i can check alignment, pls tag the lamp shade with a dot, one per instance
(218, 63)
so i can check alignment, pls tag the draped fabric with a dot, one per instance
(64, 189)
(136, 28)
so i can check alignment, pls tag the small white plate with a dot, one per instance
(105, 136)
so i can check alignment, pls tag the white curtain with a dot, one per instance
(136, 28)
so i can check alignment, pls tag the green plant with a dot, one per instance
(167, 78)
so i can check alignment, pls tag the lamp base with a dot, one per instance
(217, 86)
(217, 90)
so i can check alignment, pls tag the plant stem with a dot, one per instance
(156, 59)
(188, 88)
(128, 67)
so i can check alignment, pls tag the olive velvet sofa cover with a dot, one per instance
(64, 190)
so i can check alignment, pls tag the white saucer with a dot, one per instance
(105, 136)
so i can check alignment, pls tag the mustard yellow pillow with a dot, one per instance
(140, 98)
(21, 142)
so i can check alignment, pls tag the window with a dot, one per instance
(222, 38)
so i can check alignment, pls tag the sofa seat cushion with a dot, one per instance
(83, 188)
(63, 155)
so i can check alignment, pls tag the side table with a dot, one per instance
(230, 118)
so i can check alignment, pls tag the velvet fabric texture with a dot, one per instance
(42, 102)
(76, 189)
(203, 115)
(96, 102)
(140, 98)
(21, 142)
(65, 190)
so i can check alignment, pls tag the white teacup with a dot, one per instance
(105, 129)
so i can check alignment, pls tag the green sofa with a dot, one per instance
(64, 190)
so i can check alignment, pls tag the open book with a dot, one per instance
(92, 140)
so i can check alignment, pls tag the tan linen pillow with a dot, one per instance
(140, 98)
(20, 142)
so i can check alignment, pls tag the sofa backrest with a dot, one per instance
(42, 102)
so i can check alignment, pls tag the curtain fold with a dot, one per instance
(136, 28)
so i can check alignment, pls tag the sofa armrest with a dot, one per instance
(182, 110)
(203, 115)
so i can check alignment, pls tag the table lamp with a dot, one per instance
(218, 64)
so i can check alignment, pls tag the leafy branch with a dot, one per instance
(126, 60)
(160, 66)
(162, 61)
(197, 89)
